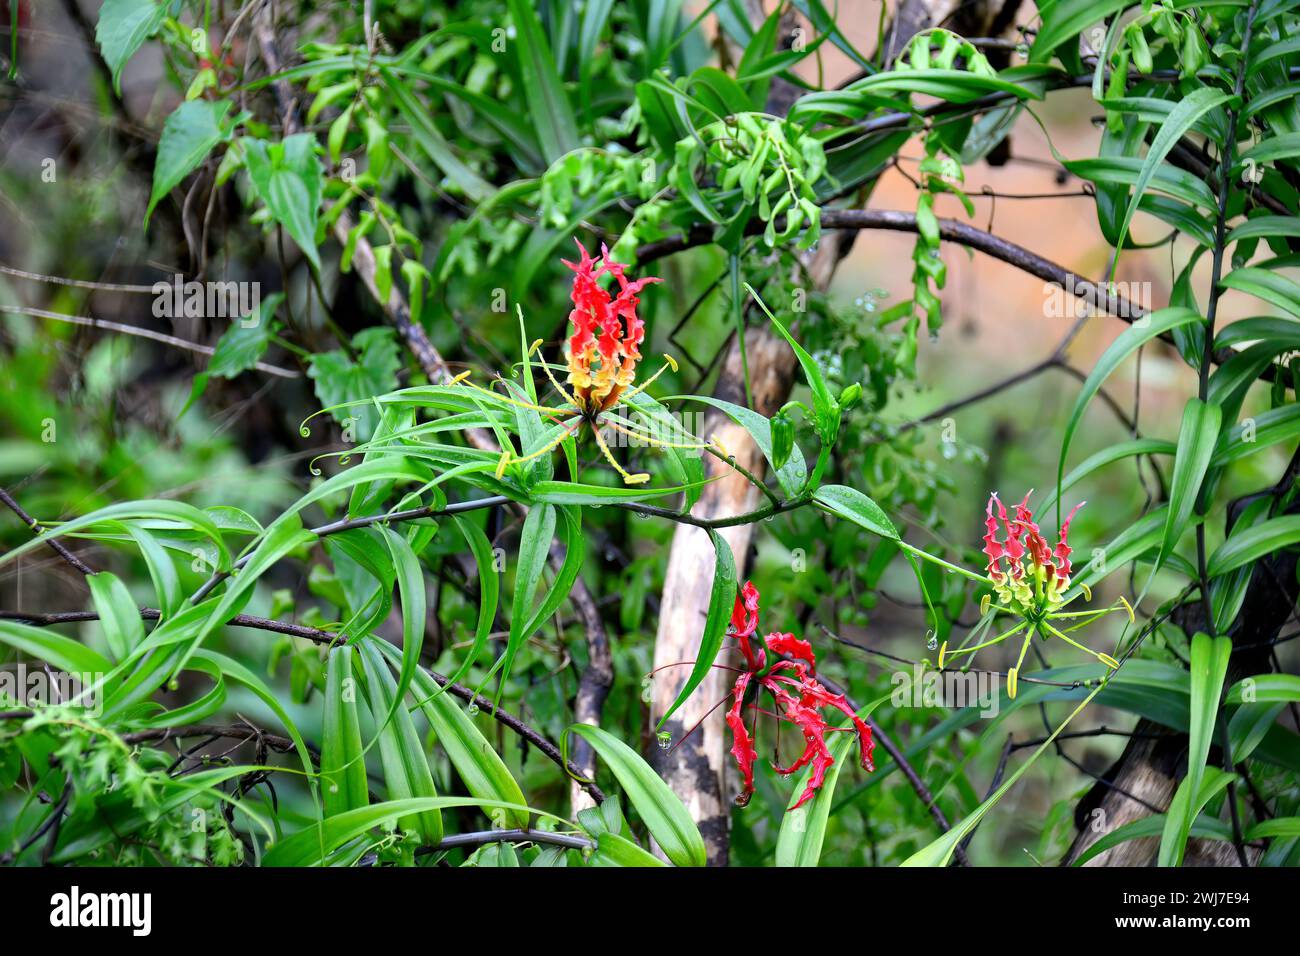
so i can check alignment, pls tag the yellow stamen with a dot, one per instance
(549, 446)
(554, 382)
(984, 604)
(1104, 658)
(515, 401)
(722, 450)
(501, 465)
(461, 377)
(647, 439)
(1011, 682)
(628, 479)
(1087, 591)
(943, 650)
(1024, 648)
(671, 363)
(989, 643)
(1132, 619)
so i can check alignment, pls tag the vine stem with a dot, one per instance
(954, 568)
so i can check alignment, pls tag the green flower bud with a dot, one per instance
(1137, 40)
(851, 395)
(782, 439)
(1194, 52)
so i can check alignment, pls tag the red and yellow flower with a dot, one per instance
(1030, 579)
(789, 680)
(603, 350)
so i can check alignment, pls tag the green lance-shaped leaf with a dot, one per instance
(1209, 664)
(410, 582)
(1206, 828)
(663, 813)
(166, 580)
(534, 546)
(803, 829)
(191, 518)
(62, 653)
(722, 599)
(826, 410)
(1196, 440)
(1253, 543)
(615, 850)
(406, 769)
(852, 504)
(1125, 344)
(119, 616)
(342, 767)
(1189, 109)
(483, 771)
(1280, 827)
(313, 845)
(548, 103)
(1265, 689)
(489, 590)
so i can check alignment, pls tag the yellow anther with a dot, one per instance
(943, 650)
(672, 362)
(722, 449)
(461, 377)
(501, 465)
(1011, 683)
(1087, 591)
(1108, 661)
(532, 349)
(1132, 619)
(985, 601)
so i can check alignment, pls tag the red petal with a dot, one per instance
(791, 646)
(742, 747)
(1039, 550)
(1063, 550)
(992, 547)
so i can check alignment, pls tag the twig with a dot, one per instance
(139, 332)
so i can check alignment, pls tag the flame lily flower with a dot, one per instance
(603, 350)
(797, 694)
(1029, 578)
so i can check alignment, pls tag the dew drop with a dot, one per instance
(931, 641)
(665, 739)
(472, 709)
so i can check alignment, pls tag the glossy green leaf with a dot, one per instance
(660, 809)
(1209, 664)
(119, 616)
(123, 27)
(1196, 440)
(312, 846)
(406, 768)
(188, 135)
(342, 767)
(1125, 344)
(850, 503)
(548, 103)
(1253, 543)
